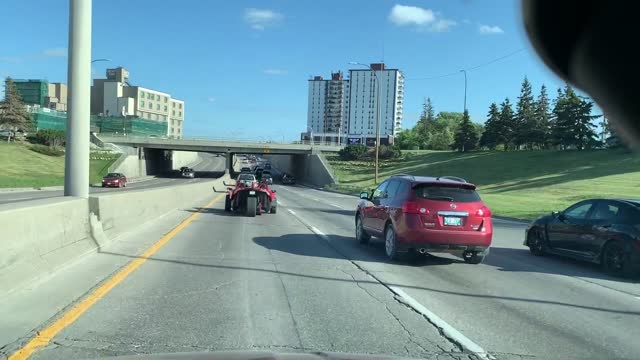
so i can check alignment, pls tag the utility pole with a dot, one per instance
(377, 126)
(465, 88)
(76, 170)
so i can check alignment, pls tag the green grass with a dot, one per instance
(522, 184)
(22, 167)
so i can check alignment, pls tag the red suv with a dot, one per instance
(422, 214)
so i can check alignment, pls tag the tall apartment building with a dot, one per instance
(363, 99)
(114, 96)
(328, 105)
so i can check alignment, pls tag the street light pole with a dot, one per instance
(76, 170)
(465, 88)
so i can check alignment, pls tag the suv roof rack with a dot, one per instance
(412, 177)
(454, 178)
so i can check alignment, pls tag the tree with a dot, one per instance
(525, 116)
(466, 138)
(573, 122)
(427, 118)
(561, 130)
(491, 135)
(408, 139)
(540, 132)
(443, 129)
(13, 114)
(585, 130)
(353, 152)
(505, 125)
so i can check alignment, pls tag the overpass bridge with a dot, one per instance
(220, 146)
(157, 154)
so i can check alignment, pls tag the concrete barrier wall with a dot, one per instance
(308, 169)
(184, 158)
(131, 166)
(120, 212)
(39, 236)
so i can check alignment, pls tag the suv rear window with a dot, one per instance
(445, 193)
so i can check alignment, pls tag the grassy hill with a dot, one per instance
(21, 167)
(521, 184)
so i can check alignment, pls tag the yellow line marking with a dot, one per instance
(45, 336)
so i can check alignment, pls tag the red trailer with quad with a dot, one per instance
(250, 197)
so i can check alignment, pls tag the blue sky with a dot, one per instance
(242, 66)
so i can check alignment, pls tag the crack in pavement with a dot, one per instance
(410, 335)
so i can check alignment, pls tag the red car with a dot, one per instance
(423, 214)
(114, 180)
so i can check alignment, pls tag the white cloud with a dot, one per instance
(259, 19)
(411, 15)
(489, 30)
(275, 72)
(442, 25)
(55, 52)
(421, 18)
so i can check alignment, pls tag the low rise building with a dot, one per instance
(114, 96)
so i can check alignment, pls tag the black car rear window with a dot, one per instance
(445, 193)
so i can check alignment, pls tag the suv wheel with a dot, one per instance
(472, 257)
(390, 243)
(361, 235)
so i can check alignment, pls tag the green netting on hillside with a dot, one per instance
(132, 126)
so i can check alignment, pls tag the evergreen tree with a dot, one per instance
(585, 130)
(466, 138)
(491, 135)
(13, 114)
(540, 133)
(562, 123)
(506, 125)
(425, 124)
(525, 116)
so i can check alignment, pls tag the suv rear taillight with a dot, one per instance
(412, 207)
(484, 211)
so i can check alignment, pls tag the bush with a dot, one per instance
(49, 137)
(353, 152)
(389, 152)
(45, 150)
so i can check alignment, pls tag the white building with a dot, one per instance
(328, 106)
(114, 96)
(363, 101)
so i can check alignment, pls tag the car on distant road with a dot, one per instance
(288, 179)
(426, 214)
(267, 166)
(188, 173)
(602, 231)
(245, 169)
(114, 180)
(266, 177)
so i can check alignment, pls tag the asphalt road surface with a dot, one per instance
(209, 167)
(298, 281)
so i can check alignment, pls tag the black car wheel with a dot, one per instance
(227, 203)
(361, 235)
(472, 257)
(536, 242)
(615, 259)
(252, 204)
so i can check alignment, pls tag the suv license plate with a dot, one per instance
(452, 221)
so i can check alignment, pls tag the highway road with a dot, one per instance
(209, 167)
(298, 281)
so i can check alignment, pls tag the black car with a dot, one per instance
(288, 179)
(602, 231)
